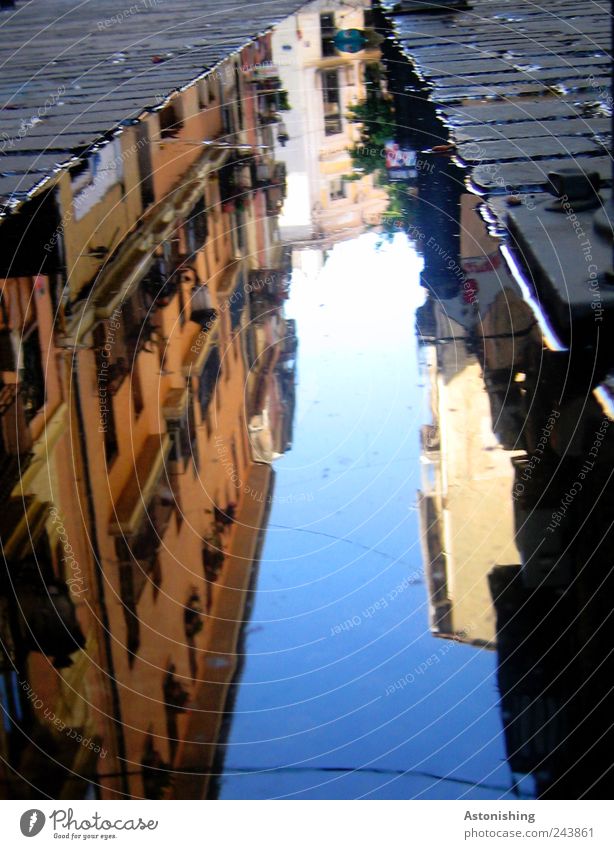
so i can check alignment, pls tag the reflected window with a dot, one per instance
(327, 34)
(336, 189)
(331, 99)
(208, 380)
(193, 615)
(111, 445)
(20, 346)
(213, 562)
(15, 438)
(12, 711)
(176, 698)
(239, 100)
(203, 94)
(196, 229)
(155, 770)
(139, 563)
(137, 392)
(237, 304)
(184, 446)
(7, 351)
(170, 121)
(143, 149)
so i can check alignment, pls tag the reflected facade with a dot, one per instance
(139, 422)
(517, 496)
(528, 552)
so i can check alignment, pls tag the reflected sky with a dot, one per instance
(344, 691)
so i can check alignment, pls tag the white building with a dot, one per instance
(322, 83)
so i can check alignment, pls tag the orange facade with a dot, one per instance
(137, 501)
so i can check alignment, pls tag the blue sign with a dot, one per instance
(350, 40)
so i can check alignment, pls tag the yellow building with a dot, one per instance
(136, 500)
(467, 512)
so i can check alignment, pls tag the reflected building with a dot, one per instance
(134, 491)
(554, 607)
(271, 344)
(516, 516)
(322, 82)
(467, 515)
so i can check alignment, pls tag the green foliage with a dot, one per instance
(376, 120)
(283, 104)
(400, 212)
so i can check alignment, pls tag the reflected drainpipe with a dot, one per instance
(73, 375)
